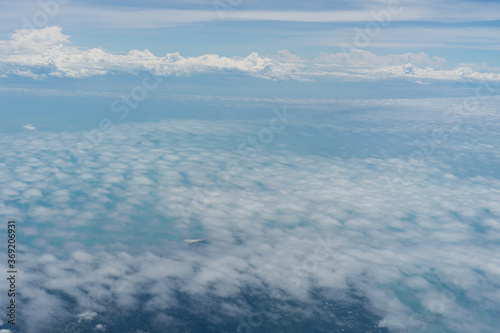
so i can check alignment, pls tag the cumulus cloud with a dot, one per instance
(36, 40)
(47, 53)
(342, 222)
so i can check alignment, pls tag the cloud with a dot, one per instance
(148, 17)
(34, 40)
(392, 36)
(362, 58)
(88, 315)
(418, 247)
(29, 127)
(45, 53)
(365, 65)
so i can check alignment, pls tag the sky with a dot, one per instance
(251, 166)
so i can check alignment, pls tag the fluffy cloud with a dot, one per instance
(34, 41)
(86, 315)
(349, 220)
(47, 53)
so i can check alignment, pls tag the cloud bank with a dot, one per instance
(45, 53)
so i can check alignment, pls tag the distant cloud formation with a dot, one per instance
(29, 127)
(45, 53)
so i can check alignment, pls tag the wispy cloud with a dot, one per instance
(485, 38)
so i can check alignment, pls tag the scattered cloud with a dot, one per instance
(400, 245)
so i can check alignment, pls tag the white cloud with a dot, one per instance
(364, 58)
(392, 36)
(144, 17)
(159, 14)
(87, 315)
(29, 127)
(34, 40)
(46, 53)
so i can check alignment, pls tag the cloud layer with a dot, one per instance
(107, 232)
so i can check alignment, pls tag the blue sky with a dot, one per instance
(324, 152)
